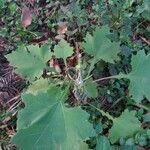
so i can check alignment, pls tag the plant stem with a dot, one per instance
(116, 102)
(87, 77)
(110, 77)
(140, 106)
(91, 68)
(102, 112)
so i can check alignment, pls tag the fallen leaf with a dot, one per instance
(54, 64)
(31, 1)
(26, 17)
(62, 28)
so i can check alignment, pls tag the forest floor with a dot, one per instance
(37, 22)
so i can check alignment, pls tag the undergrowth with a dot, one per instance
(86, 66)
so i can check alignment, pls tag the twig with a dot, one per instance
(14, 98)
(145, 40)
(14, 106)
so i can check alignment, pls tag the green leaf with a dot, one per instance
(46, 123)
(100, 47)
(63, 50)
(83, 146)
(91, 89)
(148, 133)
(38, 105)
(144, 9)
(30, 64)
(124, 126)
(1, 3)
(146, 117)
(128, 147)
(139, 76)
(103, 143)
(40, 85)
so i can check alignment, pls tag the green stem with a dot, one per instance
(87, 77)
(117, 101)
(110, 77)
(91, 68)
(140, 106)
(102, 112)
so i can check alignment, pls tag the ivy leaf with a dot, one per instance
(124, 126)
(103, 143)
(100, 47)
(91, 89)
(41, 85)
(139, 76)
(30, 64)
(46, 123)
(63, 50)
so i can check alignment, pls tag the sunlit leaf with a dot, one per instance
(41, 85)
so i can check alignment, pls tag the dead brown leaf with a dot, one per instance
(31, 1)
(54, 64)
(62, 28)
(26, 17)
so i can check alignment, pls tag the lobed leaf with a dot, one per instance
(124, 126)
(63, 50)
(41, 85)
(100, 47)
(30, 64)
(139, 76)
(46, 123)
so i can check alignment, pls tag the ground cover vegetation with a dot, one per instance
(75, 74)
